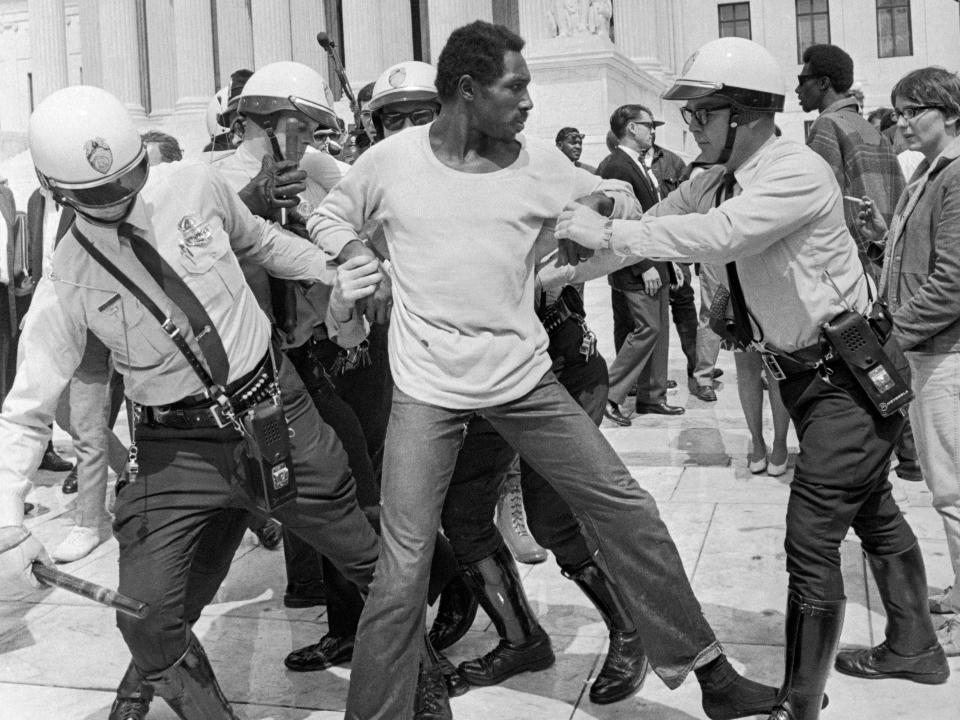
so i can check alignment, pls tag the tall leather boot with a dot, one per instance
(190, 687)
(523, 643)
(626, 665)
(910, 650)
(813, 631)
(455, 613)
(133, 697)
(304, 573)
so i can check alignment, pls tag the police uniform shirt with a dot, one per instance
(795, 258)
(194, 219)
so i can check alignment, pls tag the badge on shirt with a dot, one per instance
(193, 232)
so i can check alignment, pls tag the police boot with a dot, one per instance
(190, 687)
(133, 697)
(910, 650)
(813, 631)
(455, 613)
(431, 702)
(524, 645)
(625, 666)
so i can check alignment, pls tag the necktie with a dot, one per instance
(743, 319)
(176, 289)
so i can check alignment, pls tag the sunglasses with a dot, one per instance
(396, 120)
(909, 113)
(702, 115)
(803, 78)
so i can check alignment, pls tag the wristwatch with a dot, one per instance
(607, 234)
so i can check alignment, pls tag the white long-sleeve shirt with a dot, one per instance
(463, 333)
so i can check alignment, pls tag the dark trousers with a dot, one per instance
(683, 308)
(556, 437)
(642, 357)
(180, 520)
(840, 479)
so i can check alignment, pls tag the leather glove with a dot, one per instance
(18, 550)
(275, 186)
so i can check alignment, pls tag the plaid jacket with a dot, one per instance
(864, 164)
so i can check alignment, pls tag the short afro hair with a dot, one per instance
(476, 50)
(831, 62)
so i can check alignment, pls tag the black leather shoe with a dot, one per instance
(705, 393)
(431, 701)
(129, 709)
(456, 683)
(660, 408)
(612, 412)
(69, 485)
(508, 659)
(53, 462)
(455, 613)
(304, 595)
(716, 372)
(331, 650)
(623, 671)
(929, 667)
(270, 534)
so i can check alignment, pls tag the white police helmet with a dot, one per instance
(86, 149)
(739, 70)
(405, 81)
(288, 85)
(216, 110)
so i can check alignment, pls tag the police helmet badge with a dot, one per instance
(397, 77)
(193, 232)
(99, 155)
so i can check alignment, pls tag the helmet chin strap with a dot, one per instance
(79, 210)
(731, 136)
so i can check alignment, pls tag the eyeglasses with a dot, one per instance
(649, 125)
(396, 120)
(702, 115)
(803, 78)
(909, 113)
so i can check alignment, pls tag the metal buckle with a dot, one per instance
(773, 367)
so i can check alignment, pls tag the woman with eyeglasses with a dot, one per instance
(921, 284)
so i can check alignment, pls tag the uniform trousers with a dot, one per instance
(840, 479)
(180, 520)
(562, 443)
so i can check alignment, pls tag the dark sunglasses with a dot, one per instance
(803, 78)
(396, 120)
(702, 115)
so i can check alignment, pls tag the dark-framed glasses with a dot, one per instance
(396, 120)
(701, 115)
(909, 113)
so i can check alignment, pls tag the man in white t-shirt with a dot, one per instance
(463, 202)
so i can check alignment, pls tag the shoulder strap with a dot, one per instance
(169, 327)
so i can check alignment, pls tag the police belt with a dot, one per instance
(556, 315)
(198, 411)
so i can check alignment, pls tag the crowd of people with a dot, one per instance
(313, 309)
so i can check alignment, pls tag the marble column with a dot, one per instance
(271, 31)
(667, 47)
(636, 25)
(120, 53)
(162, 54)
(307, 19)
(376, 34)
(447, 15)
(234, 37)
(534, 21)
(194, 55)
(48, 47)
(90, 60)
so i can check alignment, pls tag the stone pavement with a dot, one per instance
(61, 656)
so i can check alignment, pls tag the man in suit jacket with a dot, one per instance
(639, 293)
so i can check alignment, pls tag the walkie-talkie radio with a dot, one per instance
(268, 462)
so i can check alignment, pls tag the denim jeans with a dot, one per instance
(620, 520)
(935, 417)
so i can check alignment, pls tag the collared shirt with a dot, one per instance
(313, 301)
(796, 261)
(78, 293)
(463, 333)
(863, 162)
(640, 160)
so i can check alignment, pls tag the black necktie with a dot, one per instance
(176, 289)
(742, 317)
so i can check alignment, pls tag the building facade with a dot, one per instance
(165, 58)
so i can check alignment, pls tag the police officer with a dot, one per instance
(181, 516)
(773, 211)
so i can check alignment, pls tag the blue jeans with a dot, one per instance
(620, 521)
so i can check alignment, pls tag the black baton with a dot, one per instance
(98, 593)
